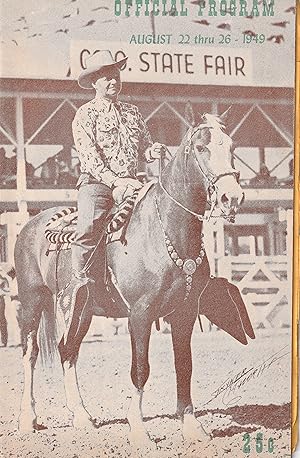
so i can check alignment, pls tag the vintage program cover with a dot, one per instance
(147, 166)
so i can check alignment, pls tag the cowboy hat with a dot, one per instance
(96, 62)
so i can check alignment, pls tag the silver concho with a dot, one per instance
(189, 267)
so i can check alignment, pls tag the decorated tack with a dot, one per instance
(189, 267)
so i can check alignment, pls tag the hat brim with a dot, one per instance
(87, 76)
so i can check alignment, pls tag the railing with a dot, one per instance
(265, 284)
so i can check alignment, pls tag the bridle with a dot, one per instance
(190, 265)
(209, 176)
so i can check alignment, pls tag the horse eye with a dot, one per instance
(200, 148)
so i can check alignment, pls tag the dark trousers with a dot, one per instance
(94, 203)
(3, 322)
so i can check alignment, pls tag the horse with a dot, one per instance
(159, 272)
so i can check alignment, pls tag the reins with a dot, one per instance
(197, 215)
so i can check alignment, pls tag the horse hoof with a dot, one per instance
(80, 422)
(193, 431)
(141, 444)
(28, 426)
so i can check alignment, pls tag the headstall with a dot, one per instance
(189, 266)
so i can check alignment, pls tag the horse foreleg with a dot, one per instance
(28, 418)
(182, 327)
(81, 417)
(140, 330)
(69, 356)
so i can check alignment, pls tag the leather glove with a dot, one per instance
(124, 187)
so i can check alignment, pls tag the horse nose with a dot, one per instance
(242, 199)
(225, 200)
(234, 202)
(228, 201)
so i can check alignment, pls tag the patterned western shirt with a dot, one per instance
(110, 138)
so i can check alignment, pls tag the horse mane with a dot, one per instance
(212, 121)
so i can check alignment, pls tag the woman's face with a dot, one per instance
(108, 84)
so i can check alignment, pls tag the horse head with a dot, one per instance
(212, 148)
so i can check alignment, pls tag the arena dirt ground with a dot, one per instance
(260, 405)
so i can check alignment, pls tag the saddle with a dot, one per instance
(60, 229)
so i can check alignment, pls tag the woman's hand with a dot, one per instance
(123, 188)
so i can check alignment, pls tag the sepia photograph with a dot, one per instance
(146, 228)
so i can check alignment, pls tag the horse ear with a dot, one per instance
(224, 115)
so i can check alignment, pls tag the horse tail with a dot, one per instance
(48, 335)
(38, 308)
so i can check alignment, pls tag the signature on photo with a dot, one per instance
(229, 388)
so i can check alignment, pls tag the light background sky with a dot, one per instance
(35, 38)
